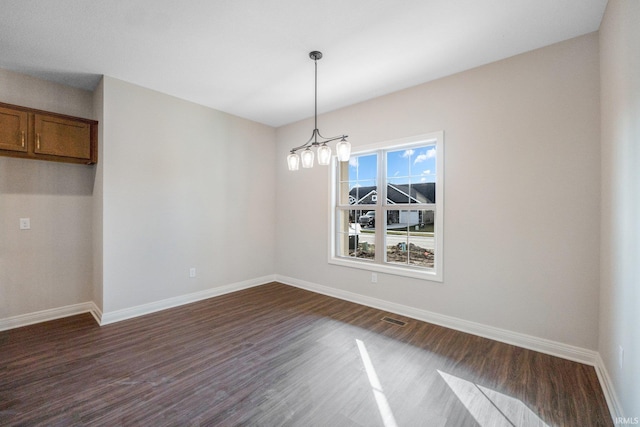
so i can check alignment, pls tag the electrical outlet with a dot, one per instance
(192, 272)
(374, 277)
(25, 223)
(620, 355)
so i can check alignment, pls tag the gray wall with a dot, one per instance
(183, 186)
(522, 184)
(620, 272)
(49, 266)
(177, 185)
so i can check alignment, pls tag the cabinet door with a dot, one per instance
(13, 130)
(62, 137)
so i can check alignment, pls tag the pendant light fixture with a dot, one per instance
(306, 157)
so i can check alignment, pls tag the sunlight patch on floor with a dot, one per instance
(381, 400)
(491, 408)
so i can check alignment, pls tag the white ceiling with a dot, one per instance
(250, 57)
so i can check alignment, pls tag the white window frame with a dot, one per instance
(379, 265)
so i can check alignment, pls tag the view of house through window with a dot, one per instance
(387, 204)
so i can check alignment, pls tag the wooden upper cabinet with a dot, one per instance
(13, 130)
(35, 134)
(62, 137)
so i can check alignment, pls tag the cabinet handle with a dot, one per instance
(38, 141)
(22, 139)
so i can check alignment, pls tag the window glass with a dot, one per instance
(396, 208)
(362, 180)
(351, 239)
(411, 175)
(410, 238)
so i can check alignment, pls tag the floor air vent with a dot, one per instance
(393, 321)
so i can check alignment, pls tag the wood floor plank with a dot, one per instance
(277, 355)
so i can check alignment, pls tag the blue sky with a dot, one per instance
(414, 165)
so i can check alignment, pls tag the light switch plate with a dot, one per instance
(25, 223)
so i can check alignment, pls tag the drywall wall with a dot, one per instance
(97, 204)
(620, 293)
(522, 189)
(184, 186)
(48, 266)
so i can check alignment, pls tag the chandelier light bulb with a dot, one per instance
(307, 158)
(343, 150)
(324, 154)
(293, 160)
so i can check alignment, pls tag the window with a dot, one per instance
(387, 205)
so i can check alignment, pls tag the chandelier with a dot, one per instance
(343, 148)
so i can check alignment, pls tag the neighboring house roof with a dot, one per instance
(424, 192)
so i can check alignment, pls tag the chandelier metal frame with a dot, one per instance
(343, 148)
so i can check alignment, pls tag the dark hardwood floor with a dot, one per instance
(277, 355)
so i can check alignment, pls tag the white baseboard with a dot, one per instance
(127, 313)
(615, 408)
(541, 345)
(96, 313)
(152, 307)
(51, 314)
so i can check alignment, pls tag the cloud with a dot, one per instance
(353, 161)
(424, 156)
(407, 153)
(427, 172)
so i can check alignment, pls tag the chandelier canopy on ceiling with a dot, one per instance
(343, 148)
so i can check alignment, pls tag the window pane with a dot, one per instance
(360, 180)
(396, 238)
(342, 172)
(423, 164)
(363, 167)
(351, 239)
(364, 194)
(422, 239)
(398, 166)
(367, 219)
(424, 192)
(410, 237)
(411, 175)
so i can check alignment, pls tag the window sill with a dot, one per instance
(416, 273)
